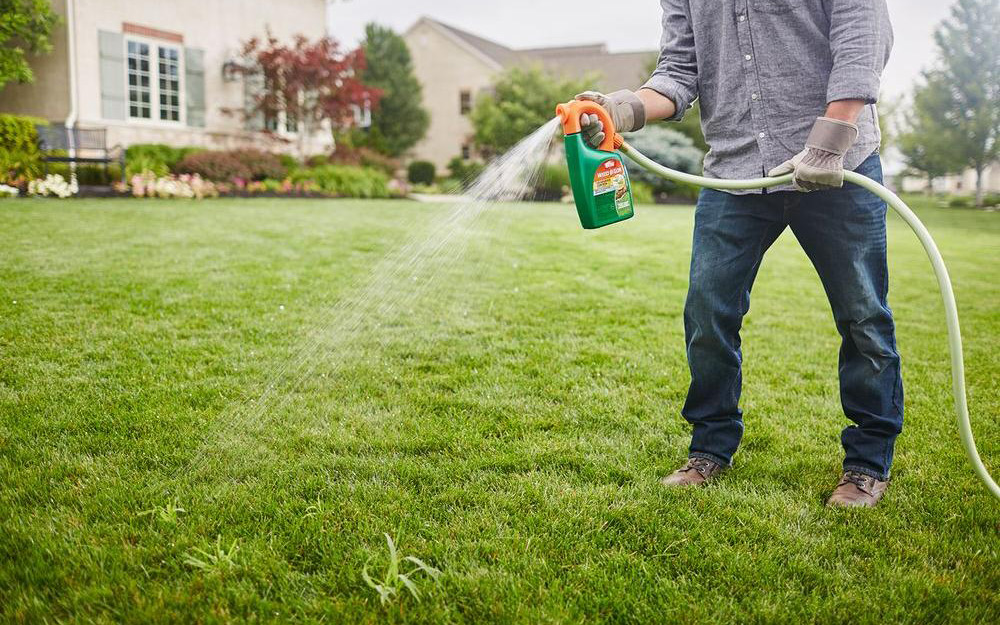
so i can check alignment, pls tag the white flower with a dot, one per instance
(9, 191)
(53, 184)
(184, 186)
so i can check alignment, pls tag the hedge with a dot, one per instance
(345, 181)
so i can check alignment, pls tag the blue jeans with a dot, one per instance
(843, 233)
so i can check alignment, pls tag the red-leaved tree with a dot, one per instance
(304, 84)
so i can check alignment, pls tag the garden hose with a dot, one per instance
(940, 271)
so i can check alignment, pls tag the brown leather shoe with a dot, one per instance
(695, 472)
(857, 490)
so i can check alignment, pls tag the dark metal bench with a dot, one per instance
(81, 145)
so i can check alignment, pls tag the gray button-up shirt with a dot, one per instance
(764, 70)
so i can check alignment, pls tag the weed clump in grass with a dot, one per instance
(168, 513)
(394, 581)
(219, 558)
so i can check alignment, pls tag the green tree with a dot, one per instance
(522, 99)
(26, 27)
(927, 138)
(969, 75)
(400, 120)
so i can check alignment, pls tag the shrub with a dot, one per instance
(94, 174)
(212, 165)
(364, 157)
(451, 186)
(421, 172)
(289, 162)
(555, 177)
(642, 193)
(20, 158)
(156, 157)
(669, 148)
(260, 164)
(317, 160)
(553, 182)
(145, 163)
(345, 181)
(465, 171)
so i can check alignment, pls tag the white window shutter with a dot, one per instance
(253, 86)
(112, 53)
(194, 86)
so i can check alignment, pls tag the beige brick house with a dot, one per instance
(155, 71)
(454, 66)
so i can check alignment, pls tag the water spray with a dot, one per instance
(603, 196)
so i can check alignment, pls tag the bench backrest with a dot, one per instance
(59, 137)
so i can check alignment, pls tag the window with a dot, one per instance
(466, 151)
(362, 115)
(282, 121)
(465, 102)
(154, 89)
(139, 104)
(170, 84)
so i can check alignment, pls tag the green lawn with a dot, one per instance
(504, 414)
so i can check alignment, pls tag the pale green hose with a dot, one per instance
(944, 283)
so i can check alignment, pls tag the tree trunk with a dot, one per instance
(979, 185)
(304, 133)
(930, 185)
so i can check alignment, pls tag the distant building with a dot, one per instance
(159, 72)
(454, 66)
(957, 184)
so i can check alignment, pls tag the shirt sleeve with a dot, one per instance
(860, 40)
(676, 73)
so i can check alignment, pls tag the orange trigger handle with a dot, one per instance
(570, 113)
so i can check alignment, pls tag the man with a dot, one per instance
(785, 86)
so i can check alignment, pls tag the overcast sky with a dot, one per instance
(535, 23)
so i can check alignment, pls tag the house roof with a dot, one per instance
(612, 70)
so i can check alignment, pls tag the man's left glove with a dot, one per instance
(821, 164)
(626, 110)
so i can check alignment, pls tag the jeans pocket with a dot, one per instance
(776, 6)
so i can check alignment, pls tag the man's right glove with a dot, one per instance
(627, 112)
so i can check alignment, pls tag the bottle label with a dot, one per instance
(610, 178)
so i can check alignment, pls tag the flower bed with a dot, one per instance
(160, 171)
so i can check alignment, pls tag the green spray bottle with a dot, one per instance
(601, 188)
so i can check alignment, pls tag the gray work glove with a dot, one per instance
(627, 112)
(821, 164)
